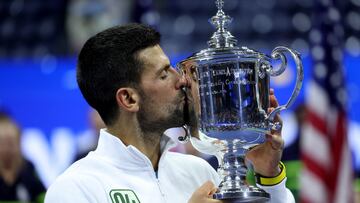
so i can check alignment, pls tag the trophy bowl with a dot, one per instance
(230, 89)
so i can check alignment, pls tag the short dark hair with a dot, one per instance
(5, 117)
(109, 61)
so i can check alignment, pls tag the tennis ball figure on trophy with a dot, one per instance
(230, 90)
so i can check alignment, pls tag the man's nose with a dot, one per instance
(183, 81)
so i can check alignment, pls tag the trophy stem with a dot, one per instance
(233, 170)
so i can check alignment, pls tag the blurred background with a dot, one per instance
(39, 42)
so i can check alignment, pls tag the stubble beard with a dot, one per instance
(151, 123)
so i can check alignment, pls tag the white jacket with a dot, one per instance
(115, 173)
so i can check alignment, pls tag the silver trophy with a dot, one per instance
(230, 90)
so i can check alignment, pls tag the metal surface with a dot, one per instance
(230, 90)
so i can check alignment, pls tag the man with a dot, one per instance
(124, 74)
(18, 178)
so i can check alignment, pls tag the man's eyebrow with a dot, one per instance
(165, 67)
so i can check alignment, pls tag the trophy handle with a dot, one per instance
(278, 53)
(184, 139)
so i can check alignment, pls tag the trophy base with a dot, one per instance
(251, 194)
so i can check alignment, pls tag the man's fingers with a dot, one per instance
(204, 194)
(277, 143)
(208, 189)
(272, 91)
(276, 119)
(273, 101)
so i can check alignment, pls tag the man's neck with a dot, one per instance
(150, 147)
(147, 143)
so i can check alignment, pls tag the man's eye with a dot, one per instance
(164, 74)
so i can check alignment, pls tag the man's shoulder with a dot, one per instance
(65, 185)
(69, 188)
(78, 180)
(81, 170)
(76, 172)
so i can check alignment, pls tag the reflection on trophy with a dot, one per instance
(231, 85)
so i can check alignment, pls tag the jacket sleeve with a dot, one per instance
(279, 193)
(67, 191)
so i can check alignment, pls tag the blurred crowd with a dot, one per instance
(59, 27)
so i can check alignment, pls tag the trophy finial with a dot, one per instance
(222, 38)
(219, 4)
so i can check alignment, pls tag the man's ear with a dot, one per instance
(128, 99)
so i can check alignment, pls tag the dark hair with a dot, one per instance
(5, 117)
(109, 61)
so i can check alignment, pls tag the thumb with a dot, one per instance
(204, 194)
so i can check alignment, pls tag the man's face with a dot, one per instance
(162, 101)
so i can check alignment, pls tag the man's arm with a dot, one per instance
(265, 159)
(279, 193)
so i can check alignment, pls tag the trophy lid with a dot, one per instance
(222, 44)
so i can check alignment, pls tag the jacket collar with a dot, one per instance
(112, 149)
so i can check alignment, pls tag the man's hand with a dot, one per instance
(266, 157)
(204, 194)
